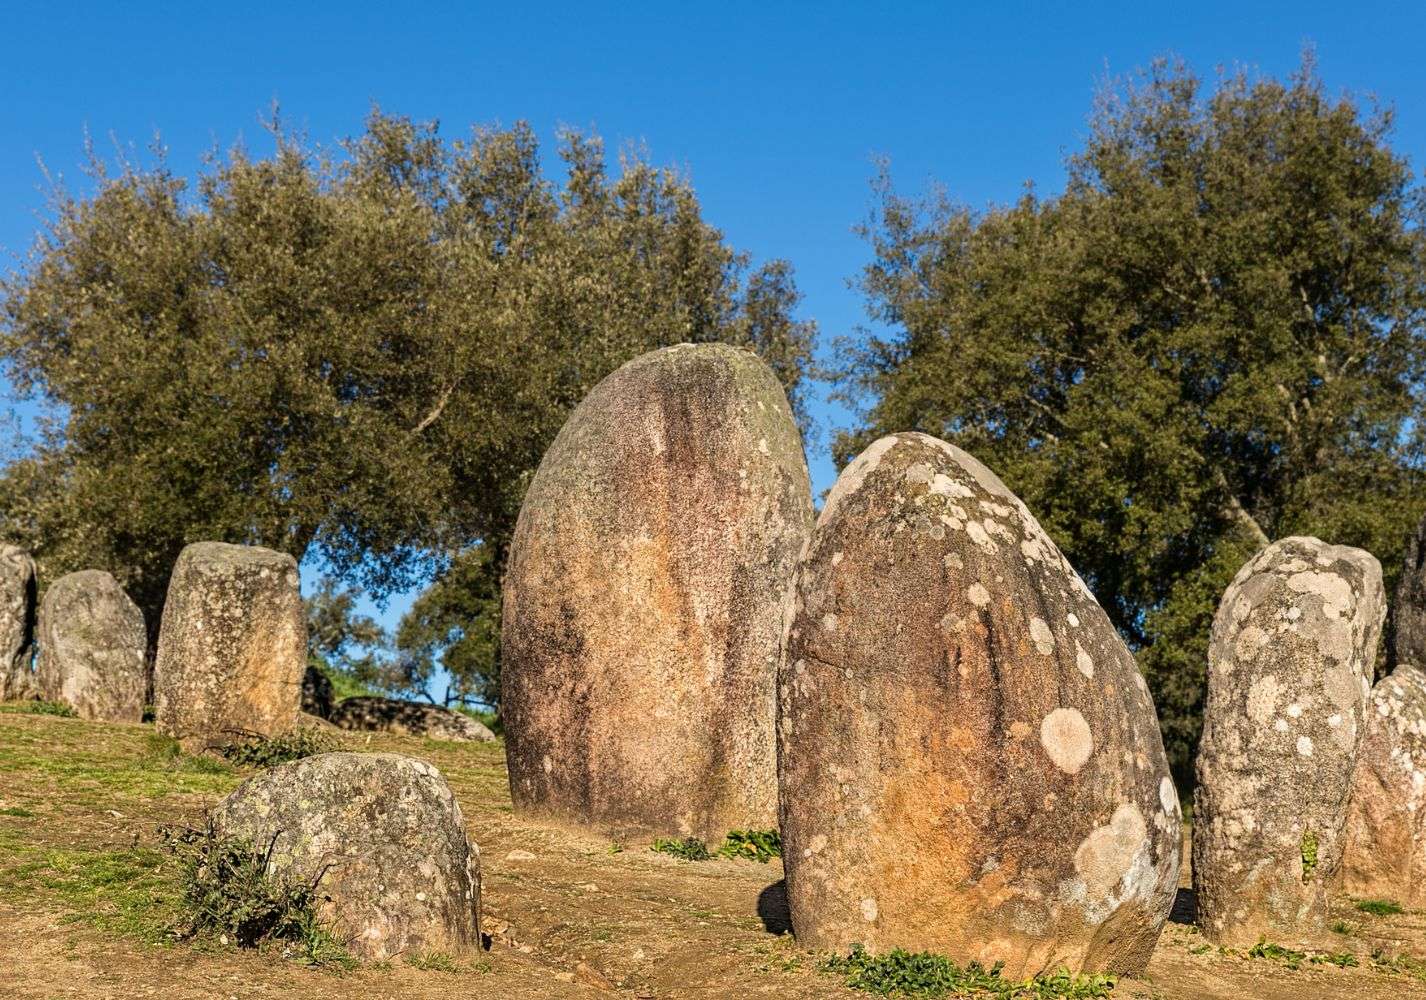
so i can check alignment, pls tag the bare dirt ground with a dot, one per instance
(83, 909)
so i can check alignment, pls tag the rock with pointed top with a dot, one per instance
(970, 761)
(1289, 666)
(644, 599)
(1384, 839)
(383, 838)
(17, 618)
(232, 645)
(92, 647)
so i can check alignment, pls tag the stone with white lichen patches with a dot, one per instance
(646, 596)
(232, 645)
(1384, 849)
(969, 763)
(1289, 662)
(383, 837)
(92, 648)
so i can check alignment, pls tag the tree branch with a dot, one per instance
(1236, 512)
(436, 411)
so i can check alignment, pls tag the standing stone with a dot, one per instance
(317, 695)
(386, 836)
(970, 762)
(92, 644)
(232, 645)
(1289, 667)
(644, 601)
(17, 619)
(1384, 843)
(1406, 627)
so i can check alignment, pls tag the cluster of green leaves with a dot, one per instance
(684, 848)
(1380, 907)
(1293, 959)
(1214, 336)
(756, 845)
(257, 750)
(925, 974)
(355, 355)
(31, 707)
(228, 891)
(1308, 848)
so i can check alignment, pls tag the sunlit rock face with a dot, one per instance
(92, 646)
(232, 645)
(1289, 668)
(17, 620)
(644, 600)
(1384, 840)
(970, 761)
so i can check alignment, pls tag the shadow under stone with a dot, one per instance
(1185, 907)
(772, 909)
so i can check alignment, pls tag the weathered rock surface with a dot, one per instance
(1289, 668)
(386, 836)
(645, 595)
(317, 696)
(407, 718)
(17, 621)
(1406, 627)
(970, 761)
(1384, 839)
(232, 645)
(91, 648)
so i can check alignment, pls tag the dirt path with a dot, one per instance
(80, 805)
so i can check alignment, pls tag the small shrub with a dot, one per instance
(229, 893)
(757, 845)
(1341, 959)
(432, 961)
(924, 974)
(1309, 854)
(1379, 907)
(1342, 927)
(1277, 953)
(686, 848)
(58, 708)
(256, 750)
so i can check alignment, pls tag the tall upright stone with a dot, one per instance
(17, 619)
(1384, 843)
(232, 645)
(1406, 625)
(92, 648)
(970, 762)
(1289, 668)
(644, 600)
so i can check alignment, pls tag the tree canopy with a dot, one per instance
(1211, 338)
(356, 355)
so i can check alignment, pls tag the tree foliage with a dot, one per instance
(1211, 338)
(356, 356)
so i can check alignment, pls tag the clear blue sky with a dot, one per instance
(775, 110)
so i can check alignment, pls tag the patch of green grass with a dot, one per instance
(432, 961)
(257, 750)
(1293, 959)
(57, 708)
(686, 848)
(924, 974)
(15, 811)
(1309, 854)
(119, 891)
(1380, 907)
(755, 845)
(1342, 927)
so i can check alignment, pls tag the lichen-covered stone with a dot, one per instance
(970, 761)
(1289, 668)
(1406, 626)
(407, 718)
(384, 833)
(92, 646)
(317, 695)
(644, 601)
(232, 645)
(17, 619)
(1384, 839)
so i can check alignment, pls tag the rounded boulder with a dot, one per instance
(1289, 665)
(232, 645)
(382, 837)
(970, 761)
(407, 718)
(92, 646)
(644, 600)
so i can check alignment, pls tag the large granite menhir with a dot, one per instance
(1289, 670)
(970, 762)
(644, 600)
(382, 837)
(232, 646)
(92, 647)
(17, 620)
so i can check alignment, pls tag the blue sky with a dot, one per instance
(776, 110)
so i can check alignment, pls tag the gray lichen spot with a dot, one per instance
(1066, 738)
